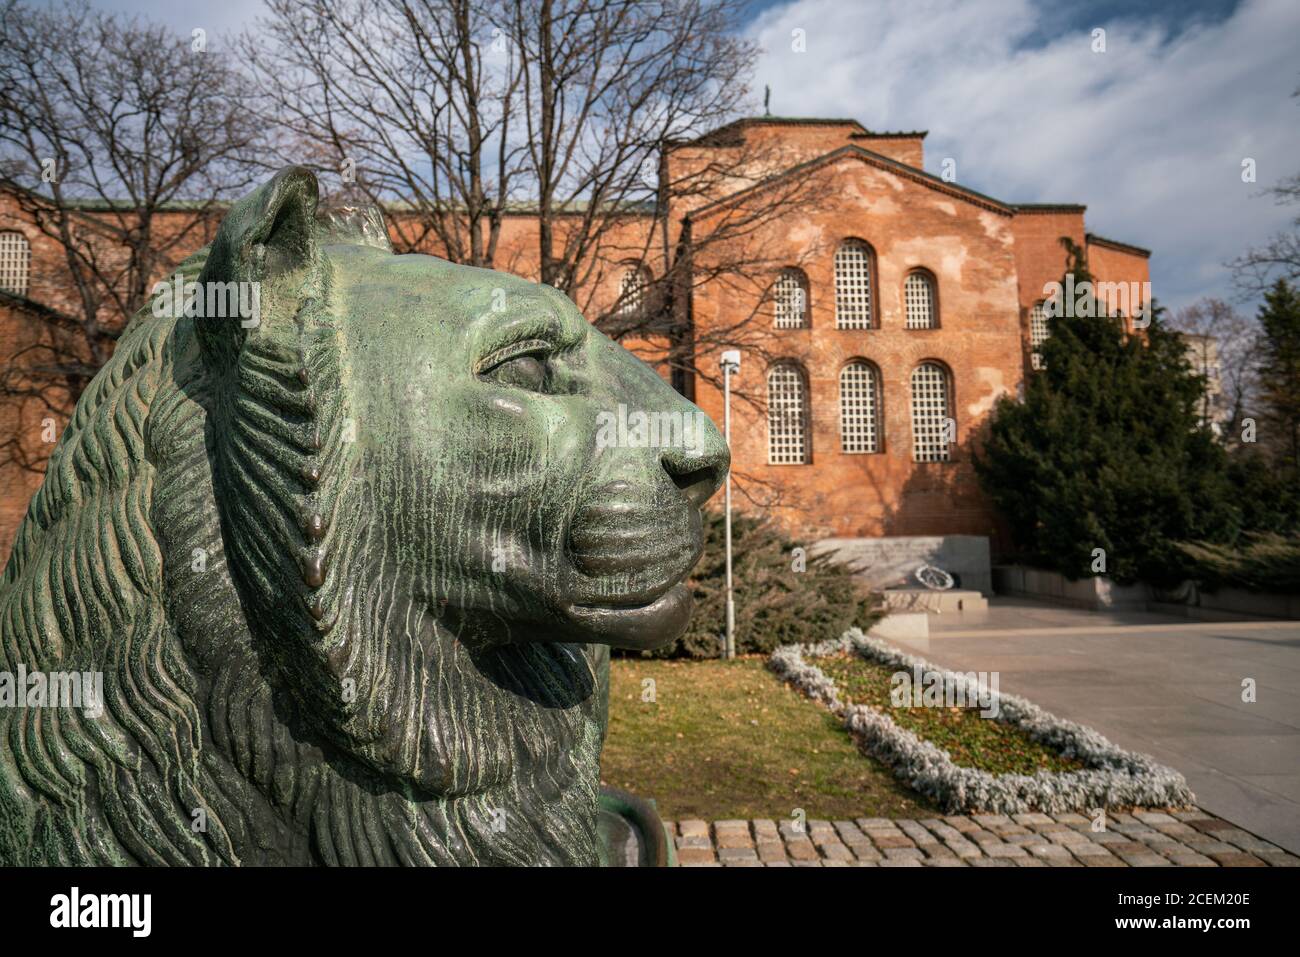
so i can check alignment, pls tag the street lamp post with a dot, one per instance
(730, 363)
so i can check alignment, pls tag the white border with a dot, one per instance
(1112, 777)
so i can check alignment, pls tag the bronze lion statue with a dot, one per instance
(350, 568)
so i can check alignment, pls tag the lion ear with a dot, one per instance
(267, 238)
(353, 225)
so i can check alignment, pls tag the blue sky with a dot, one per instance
(1061, 16)
(1149, 134)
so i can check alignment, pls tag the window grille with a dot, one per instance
(787, 416)
(1038, 334)
(930, 413)
(853, 285)
(859, 408)
(631, 292)
(791, 299)
(918, 296)
(15, 260)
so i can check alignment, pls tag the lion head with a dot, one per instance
(350, 565)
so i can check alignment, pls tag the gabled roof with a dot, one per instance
(853, 151)
(1093, 239)
(890, 135)
(1049, 208)
(729, 133)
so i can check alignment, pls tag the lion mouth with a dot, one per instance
(639, 627)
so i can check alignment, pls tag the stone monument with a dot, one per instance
(346, 564)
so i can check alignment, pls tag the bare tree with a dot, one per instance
(736, 195)
(452, 115)
(1255, 271)
(118, 142)
(598, 119)
(409, 102)
(1223, 347)
(607, 84)
(617, 94)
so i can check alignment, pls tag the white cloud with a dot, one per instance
(183, 16)
(1149, 134)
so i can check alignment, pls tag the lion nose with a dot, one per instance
(698, 475)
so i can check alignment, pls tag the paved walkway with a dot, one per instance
(1144, 839)
(1162, 685)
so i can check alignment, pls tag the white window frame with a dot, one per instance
(853, 266)
(860, 431)
(15, 262)
(632, 286)
(1038, 334)
(787, 414)
(931, 404)
(790, 294)
(920, 300)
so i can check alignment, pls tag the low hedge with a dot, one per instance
(1265, 562)
(775, 603)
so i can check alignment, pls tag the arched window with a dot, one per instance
(787, 415)
(791, 295)
(853, 285)
(1037, 334)
(932, 422)
(860, 407)
(632, 288)
(15, 259)
(919, 298)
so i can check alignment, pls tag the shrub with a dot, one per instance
(1263, 562)
(775, 605)
(1266, 492)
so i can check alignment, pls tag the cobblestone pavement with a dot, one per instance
(1141, 839)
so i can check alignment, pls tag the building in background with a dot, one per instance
(1203, 357)
(905, 306)
(881, 311)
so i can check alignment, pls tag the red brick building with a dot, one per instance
(887, 317)
(918, 306)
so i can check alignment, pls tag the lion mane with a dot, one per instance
(200, 541)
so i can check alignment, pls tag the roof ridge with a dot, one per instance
(889, 134)
(879, 159)
(1126, 247)
(1049, 207)
(734, 126)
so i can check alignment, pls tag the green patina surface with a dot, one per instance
(349, 567)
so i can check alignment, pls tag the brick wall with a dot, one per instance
(989, 261)
(1119, 263)
(22, 422)
(970, 250)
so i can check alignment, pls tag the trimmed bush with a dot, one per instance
(775, 604)
(1265, 562)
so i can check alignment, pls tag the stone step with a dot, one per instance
(953, 601)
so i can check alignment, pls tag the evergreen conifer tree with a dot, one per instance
(1105, 464)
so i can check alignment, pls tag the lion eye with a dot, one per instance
(522, 372)
(522, 365)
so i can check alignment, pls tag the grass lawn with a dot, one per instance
(726, 739)
(973, 741)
